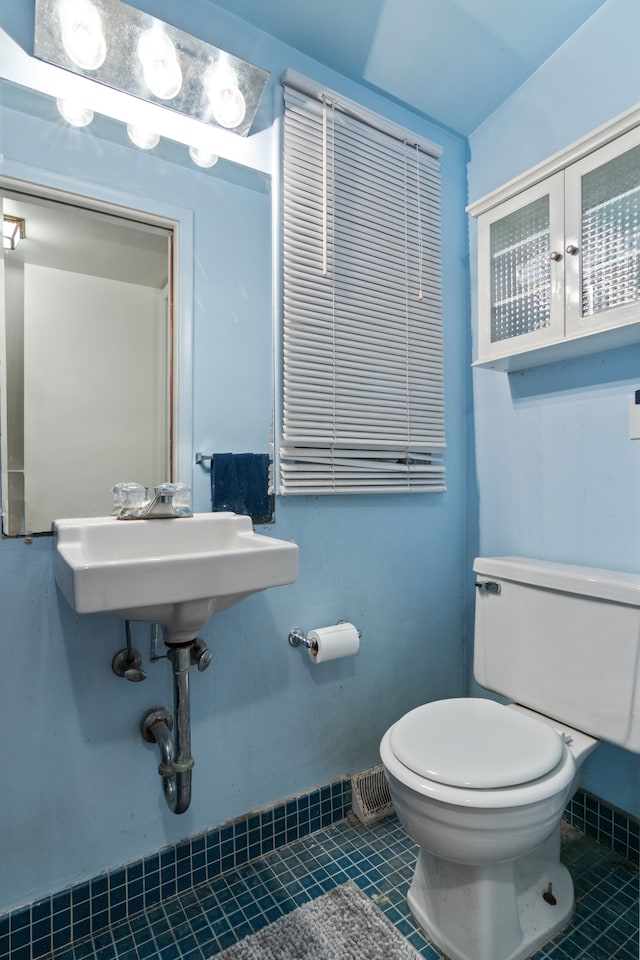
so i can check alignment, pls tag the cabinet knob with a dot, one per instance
(554, 255)
(571, 249)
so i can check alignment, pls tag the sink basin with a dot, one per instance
(172, 572)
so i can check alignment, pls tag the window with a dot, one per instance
(363, 405)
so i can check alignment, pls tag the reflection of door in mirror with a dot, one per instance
(86, 359)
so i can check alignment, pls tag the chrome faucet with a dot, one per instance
(159, 507)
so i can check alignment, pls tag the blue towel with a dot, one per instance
(240, 483)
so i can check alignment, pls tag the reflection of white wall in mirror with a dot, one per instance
(95, 366)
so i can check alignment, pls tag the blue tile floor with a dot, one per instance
(203, 921)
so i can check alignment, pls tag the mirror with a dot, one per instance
(87, 336)
(218, 223)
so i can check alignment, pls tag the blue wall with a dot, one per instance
(558, 476)
(81, 793)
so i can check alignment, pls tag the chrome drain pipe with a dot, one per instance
(173, 736)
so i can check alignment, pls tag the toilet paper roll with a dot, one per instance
(331, 643)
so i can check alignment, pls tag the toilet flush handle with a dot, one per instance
(488, 586)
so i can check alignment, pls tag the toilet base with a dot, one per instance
(495, 911)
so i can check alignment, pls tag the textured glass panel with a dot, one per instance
(611, 234)
(520, 272)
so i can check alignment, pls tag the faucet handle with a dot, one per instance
(182, 497)
(128, 498)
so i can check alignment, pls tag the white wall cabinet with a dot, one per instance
(559, 254)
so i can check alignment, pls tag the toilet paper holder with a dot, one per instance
(298, 638)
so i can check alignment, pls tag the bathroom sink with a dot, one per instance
(175, 572)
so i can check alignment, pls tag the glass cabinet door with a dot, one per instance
(603, 237)
(521, 282)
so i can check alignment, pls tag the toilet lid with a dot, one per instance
(474, 743)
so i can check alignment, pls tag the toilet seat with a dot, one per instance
(476, 744)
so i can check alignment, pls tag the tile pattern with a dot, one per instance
(92, 907)
(606, 921)
(203, 921)
(610, 827)
(229, 891)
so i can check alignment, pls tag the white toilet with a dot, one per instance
(481, 787)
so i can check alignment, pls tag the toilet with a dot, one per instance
(481, 786)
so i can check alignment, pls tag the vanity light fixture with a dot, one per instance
(115, 44)
(12, 231)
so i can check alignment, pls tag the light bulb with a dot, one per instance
(82, 36)
(230, 108)
(162, 73)
(74, 113)
(202, 157)
(143, 137)
(228, 105)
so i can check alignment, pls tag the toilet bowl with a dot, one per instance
(481, 786)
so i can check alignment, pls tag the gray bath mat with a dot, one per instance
(342, 925)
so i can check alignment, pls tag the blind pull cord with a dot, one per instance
(324, 187)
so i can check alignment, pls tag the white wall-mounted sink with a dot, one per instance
(172, 572)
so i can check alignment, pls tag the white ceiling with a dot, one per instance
(454, 60)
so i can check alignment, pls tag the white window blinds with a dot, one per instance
(363, 406)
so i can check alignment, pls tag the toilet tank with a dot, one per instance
(563, 640)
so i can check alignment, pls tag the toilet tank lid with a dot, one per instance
(611, 585)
